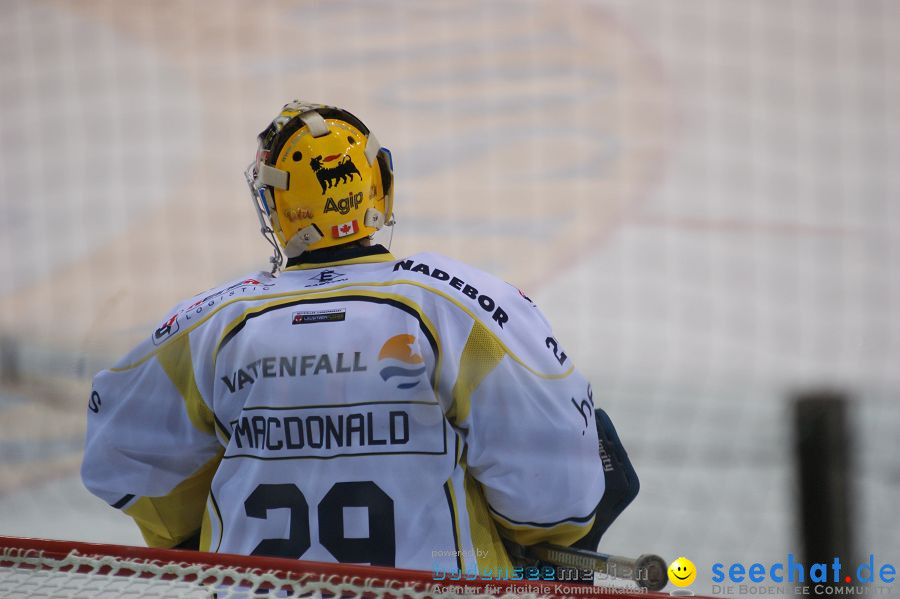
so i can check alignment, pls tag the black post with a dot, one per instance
(823, 461)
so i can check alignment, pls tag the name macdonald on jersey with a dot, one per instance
(327, 431)
(487, 303)
(289, 366)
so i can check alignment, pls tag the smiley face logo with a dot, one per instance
(682, 572)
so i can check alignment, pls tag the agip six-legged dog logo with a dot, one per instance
(329, 176)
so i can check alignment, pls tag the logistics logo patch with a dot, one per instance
(401, 348)
(329, 176)
(337, 315)
(166, 330)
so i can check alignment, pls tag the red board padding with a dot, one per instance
(293, 569)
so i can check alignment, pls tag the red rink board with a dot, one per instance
(381, 577)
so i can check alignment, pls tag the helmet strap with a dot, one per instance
(301, 240)
(374, 219)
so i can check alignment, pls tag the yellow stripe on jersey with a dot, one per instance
(451, 497)
(168, 520)
(565, 533)
(484, 533)
(471, 314)
(175, 359)
(481, 354)
(337, 295)
(205, 530)
(329, 290)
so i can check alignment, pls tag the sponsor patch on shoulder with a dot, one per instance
(326, 277)
(525, 297)
(336, 315)
(166, 330)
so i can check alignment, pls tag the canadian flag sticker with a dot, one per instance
(345, 229)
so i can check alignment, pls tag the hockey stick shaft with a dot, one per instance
(647, 570)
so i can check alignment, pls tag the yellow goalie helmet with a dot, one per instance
(320, 179)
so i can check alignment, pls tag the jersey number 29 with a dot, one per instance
(377, 549)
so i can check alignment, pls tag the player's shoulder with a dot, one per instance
(490, 298)
(442, 271)
(197, 307)
(190, 313)
(506, 312)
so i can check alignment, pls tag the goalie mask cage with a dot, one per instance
(37, 568)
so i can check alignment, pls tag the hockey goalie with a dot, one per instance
(348, 405)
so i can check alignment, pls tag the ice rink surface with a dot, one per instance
(703, 197)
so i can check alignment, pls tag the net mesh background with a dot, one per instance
(701, 196)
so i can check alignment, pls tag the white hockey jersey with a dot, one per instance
(402, 413)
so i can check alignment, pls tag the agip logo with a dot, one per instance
(337, 169)
(402, 365)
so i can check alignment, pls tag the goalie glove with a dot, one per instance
(622, 484)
